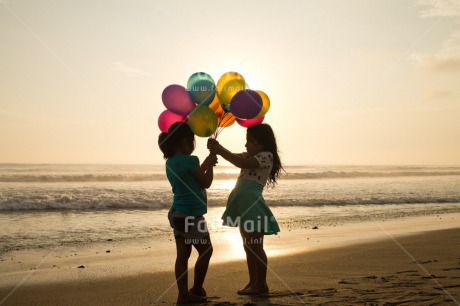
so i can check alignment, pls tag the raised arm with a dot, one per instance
(204, 174)
(236, 159)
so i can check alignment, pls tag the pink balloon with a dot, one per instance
(168, 118)
(246, 104)
(177, 100)
(247, 123)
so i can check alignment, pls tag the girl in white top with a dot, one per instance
(246, 207)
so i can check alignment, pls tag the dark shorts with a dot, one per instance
(191, 228)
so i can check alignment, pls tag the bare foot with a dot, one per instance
(190, 298)
(199, 292)
(248, 285)
(254, 290)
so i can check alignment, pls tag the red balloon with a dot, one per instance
(249, 122)
(177, 100)
(168, 118)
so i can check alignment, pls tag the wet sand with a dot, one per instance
(414, 261)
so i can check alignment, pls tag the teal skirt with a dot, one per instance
(246, 208)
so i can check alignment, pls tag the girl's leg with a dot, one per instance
(201, 266)
(181, 267)
(255, 248)
(250, 260)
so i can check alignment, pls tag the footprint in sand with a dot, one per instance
(408, 271)
(432, 276)
(451, 269)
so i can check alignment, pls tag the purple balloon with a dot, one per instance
(249, 122)
(246, 104)
(177, 100)
(168, 118)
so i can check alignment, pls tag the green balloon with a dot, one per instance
(201, 88)
(203, 121)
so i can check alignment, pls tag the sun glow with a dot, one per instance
(224, 184)
(233, 245)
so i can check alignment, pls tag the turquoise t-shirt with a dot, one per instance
(189, 196)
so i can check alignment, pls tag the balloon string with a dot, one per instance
(225, 119)
(222, 119)
(219, 128)
(219, 120)
(218, 123)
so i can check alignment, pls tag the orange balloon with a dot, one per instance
(224, 118)
(215, 104)
(227, 121)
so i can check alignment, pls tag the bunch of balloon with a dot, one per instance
(210, 108)
(247, 107)
(190, 104)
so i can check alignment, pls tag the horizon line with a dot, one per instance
(230, 165)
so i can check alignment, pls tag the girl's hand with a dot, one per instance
(212, 142)
(210, 161)
(214, 146)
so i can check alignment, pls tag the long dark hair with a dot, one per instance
(170, 142)
(263, 134)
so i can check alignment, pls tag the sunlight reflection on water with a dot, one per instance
(223, 184)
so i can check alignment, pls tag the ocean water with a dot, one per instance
(49, 205)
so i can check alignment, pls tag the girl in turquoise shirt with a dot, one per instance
(189, 181)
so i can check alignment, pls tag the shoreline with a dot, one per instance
(81, 229)
(136, 274)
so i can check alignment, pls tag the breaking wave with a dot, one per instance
(55, 178)
(149, 201)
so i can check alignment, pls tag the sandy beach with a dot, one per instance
(404, 261)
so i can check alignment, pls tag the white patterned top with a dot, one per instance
(259, 175)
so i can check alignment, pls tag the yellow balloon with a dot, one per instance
(228, 85)
(265, 104)
(202, 121)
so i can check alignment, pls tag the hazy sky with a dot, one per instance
(350, 82)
